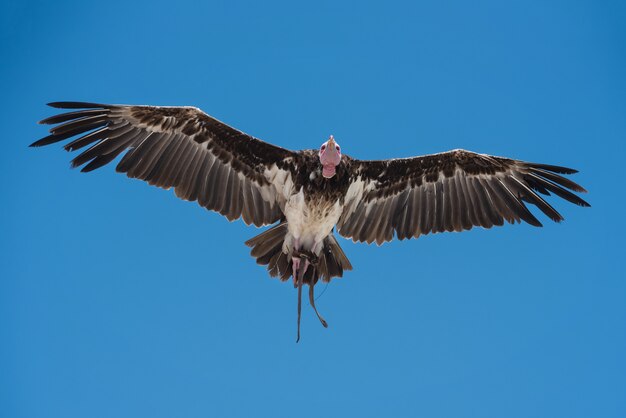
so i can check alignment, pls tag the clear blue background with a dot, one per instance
(119, 300)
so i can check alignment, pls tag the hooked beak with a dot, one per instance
(331, 142)
(330, 158)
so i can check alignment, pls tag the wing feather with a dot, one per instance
(463, 204)
(429, 206)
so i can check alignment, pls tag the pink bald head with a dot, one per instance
(330, 157)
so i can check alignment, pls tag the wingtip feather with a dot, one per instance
(554, 168)
(75, 105)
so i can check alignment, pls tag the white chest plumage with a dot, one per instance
(309, 222)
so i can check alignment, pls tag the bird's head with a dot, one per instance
(330, 157)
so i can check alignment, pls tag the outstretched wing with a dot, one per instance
(451, 191)
(203, 159)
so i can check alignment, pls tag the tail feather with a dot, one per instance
(267, 248)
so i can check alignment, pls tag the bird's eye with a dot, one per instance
(337, 148)
(323, 147)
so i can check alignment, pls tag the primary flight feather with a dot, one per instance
(308, 193)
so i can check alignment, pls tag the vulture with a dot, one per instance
(306, 195)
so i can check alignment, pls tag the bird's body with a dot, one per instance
(307, 194)
(314, 204)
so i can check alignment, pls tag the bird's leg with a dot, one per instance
(300, 274)
(298, 279)
(295, 261)
(295, 266)
(312, 301)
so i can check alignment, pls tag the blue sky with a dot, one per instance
(117, 299)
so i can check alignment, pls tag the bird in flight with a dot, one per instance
(306, 195)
